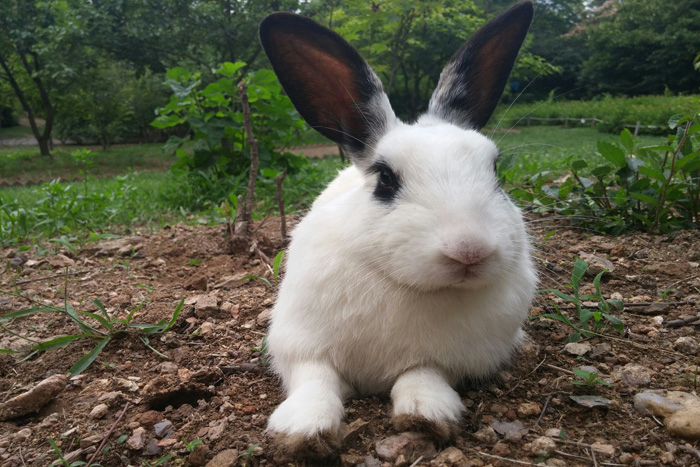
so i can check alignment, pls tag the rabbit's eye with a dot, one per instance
(388, 183)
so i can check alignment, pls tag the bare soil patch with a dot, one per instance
(215, 387)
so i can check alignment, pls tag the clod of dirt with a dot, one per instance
(654, 309)
(198, 456)
(354, 430)
(686, 345)
(227, 458)
(34, 399)
(410, 445)
(512, 431)
(165, 390)
(605, 450)
(487, 436)
(197, 283)
(449, 457)
(591, 401)
(137, 440)
(596, 264)
(634, 375)
(99, 411)
(207, 305)
(543, 446)
(120, 246)
(529, 409)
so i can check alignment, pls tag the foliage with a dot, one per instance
(215, 120)
(599, 318)
(653, 188)
(643, 47)
(100, 326)
(615, 111)
(590, 379)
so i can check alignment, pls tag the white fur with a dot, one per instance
(368, 303)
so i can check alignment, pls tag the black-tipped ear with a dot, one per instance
(472, 82)
(331, 86)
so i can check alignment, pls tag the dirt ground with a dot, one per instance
(210, 382)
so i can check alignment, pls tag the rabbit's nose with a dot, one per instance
(469, 254)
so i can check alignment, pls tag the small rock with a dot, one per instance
(596, 264)
(410, 445)
(168, 367)
(600, 350)
(226, 458)
(543, 446)
(686, 345)
(634, 375)
(577, 348)
(206, 329)
(450, 457)
(161, 429)
(198, 456)
(61, 261)
(680, 409)
(591, 401)
(263, 317)
(685, 423)
(627, 458)
(206, 305)
(554, 433)
(91, 441)
(217, 429)
(22, 435)
(34, 399)
(666, 458)
(99, 411)
(658, 308)
(556, 463)
(197, 283)
(126, 385)
(152, 449)
(149, 418)
(137, 440)
(606, 450)
(500, 449)
(112, 398)
(508, 428)
(616, 296)
(370, 461)
(529, 409)
(486, 435)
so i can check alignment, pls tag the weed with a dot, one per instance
(262, 351)
(62, 460)
(103, 330)
(590, 379)
(191, 444)
(247, 456)
(691, 378)
(600, 318)
(276, 264)
(195, 262)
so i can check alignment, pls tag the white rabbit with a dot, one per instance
(412, 270)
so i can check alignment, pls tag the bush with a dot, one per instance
(616, 112)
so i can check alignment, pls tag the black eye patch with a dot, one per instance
(388, 183)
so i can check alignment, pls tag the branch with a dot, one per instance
(280, 204)
(250, 195)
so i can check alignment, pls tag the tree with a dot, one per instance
(25, 29)
(644, 47)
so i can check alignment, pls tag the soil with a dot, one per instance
(209, 380)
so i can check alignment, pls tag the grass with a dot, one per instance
(24, 163)
(15, 132)
(615, 111)
(540, 148)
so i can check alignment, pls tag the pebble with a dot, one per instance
(206, 329)
(577, 348)
(633, 375)
(161, 429)
(197, 283)
(500, 449)
(556, 463)
(529, 409)
(263, 318)
(410, 445)
(137, 440)
(99, 411)
(198, 456)
(34, 399)
(354, 430)
(487, 435)
(553, 433)
(596, 264)
(226, 458)
(152, 449)
(22, 435)
(91, 440)
(168, 368)
(543, 446)
(686, 345)
(591, 401)
(666, 458)
(607, 450)
(448, 458)
(126, 385)
(681, 411)
(206, 305)
(658, 308)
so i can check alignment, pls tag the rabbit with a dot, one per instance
(412, 271)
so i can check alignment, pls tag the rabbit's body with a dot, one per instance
(370, 326)
(412, 270)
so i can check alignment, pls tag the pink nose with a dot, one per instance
(468, 255)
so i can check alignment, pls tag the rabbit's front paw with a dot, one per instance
(424, 401)
(307, 424)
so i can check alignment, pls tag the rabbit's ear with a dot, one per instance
(331, 86)
(472, 82)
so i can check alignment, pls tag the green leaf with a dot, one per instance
(253, 276)
(8, 351)
(578, 165)
(70, 311)
(612, 153)
(580, 268)
(28, 311)
(88, 358)
(59, 342)
(626, 139)
(652, 173)
(646, 198)
(559, 294)
(616, 322)
(229, 69)
(178, 74)
(276, 264)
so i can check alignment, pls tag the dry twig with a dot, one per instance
(109, 433)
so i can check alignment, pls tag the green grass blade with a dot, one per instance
(89, 357)
(8, 351)
(580, 267)
(98, 318)
(101, 307)
(253, 276)
(176, 313)
(70, 311)
(28, 311)
(59, 342)
(276, 265)
(147, 343)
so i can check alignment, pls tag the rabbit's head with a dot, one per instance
(433, 213)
